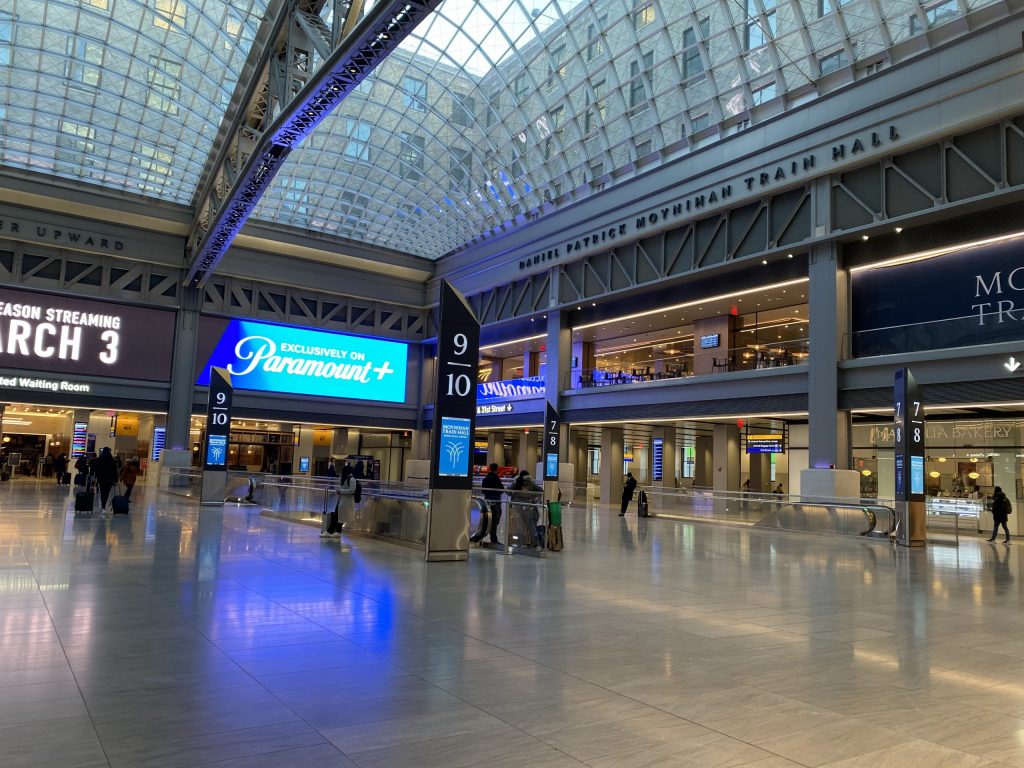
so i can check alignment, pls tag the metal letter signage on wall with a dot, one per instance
(908, 412)
(458, 358)
(552, 430)
(267, 357)
(218, 421)
(451, 453)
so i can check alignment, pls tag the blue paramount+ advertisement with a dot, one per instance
(266, 357)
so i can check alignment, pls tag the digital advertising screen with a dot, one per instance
(551, 465)
(216, 450)
(79, 439)
(917, 474)
(159, 437)
(267, 357)
(61, 334)
(454, 450)
(304, 464)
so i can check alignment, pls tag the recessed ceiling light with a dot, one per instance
(898, 230)
(864, 237)
(764, 261)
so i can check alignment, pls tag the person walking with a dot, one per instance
(345, 507)
(493, 489)
(332, 471)
(105, 469)
(129, 476)
(1001, 510)
(627, 492)
(526, 495)
(60, 466)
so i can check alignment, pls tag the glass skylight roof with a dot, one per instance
(492, 110)
(122, 93)
(498, 108)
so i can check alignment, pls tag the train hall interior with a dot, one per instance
(736, 283)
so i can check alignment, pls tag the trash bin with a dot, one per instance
(554, 513)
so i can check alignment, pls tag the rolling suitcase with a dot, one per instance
(555, 543)
(84, 502)
(119, 505)
(643, 510)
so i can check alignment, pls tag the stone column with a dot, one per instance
(496, 447)
(583, 360)
(703, 464)
(611, 465)
(183, 373)
(760, 472)
(528, 453)
(726, 457)
(828, 323)
(723, 326)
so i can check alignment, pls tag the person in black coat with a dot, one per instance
(1001, 509)
(105, 469)
(493, 490)
(627, 492)
(60, 466)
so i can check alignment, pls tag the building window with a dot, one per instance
(155, 164)
(168, 14)
(643, 13)
(295, 200)
(164, 85)
(357, 146)
(596, 108)
(556, 69)
(519, 87)
(644, 148)
(411, 156)
(595, 43)
(102, 5)
(692, 64)
(460, 166)
(823, 5)
(234, 25)
(6, 38)
(639, 71)
(75, 147)
(762, 94)
(935, 14)
(833, 62)
(463, 108)
(415, 95)
(760, 28)
(699, 121)
(85, 57)
(365, 87)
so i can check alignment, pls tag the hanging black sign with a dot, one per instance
(909, 417)
(218, 421)
(458, 358)
(552, 429)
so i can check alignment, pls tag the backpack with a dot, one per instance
(357, 495)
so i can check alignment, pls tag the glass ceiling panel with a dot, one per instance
(496, 109)
(123, 93)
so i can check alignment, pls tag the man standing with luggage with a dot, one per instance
(493, 489)
(627, 492)
(105, 469)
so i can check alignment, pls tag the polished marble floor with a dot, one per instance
(182, 637)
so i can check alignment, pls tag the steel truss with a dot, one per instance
(289, 97)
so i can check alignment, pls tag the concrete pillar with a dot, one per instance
(760, 472)
(583, 359)
(611, 465)
(339, 442)
(528, 452)
(579, 455)
(726, 457)
(183, 371)
(531, 363)
(352, 444)
(723, 326)
(419, 445)
(496, 448)
(703, 464)
(828, 322)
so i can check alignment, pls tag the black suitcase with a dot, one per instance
(65, 479)
(119, 505)
(643, 509)
(85, 501)
(81, 479)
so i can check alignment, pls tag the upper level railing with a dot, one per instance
(754, 357)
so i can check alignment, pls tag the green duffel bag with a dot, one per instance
(554, 513)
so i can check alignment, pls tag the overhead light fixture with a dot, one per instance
(921, 255)
(865, 237)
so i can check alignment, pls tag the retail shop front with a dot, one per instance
(953, 316)
(304, 396)
(78, 375)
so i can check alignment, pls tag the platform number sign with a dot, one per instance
(218, 421)
(458, 360)
(908, 412)
(552, 428)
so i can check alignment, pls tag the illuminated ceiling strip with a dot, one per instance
(922, 255)
(944, 407)
(642, 345)
(780, 324)
(514, 341)
(687, 304)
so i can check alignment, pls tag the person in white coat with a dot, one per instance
(346, 497)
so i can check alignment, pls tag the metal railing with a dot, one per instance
(182, 481)
(861, 517)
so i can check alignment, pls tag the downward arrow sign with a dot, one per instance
(1012, 365)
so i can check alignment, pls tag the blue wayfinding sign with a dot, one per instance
(453, 458)
(267, 357)
(217, 450)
